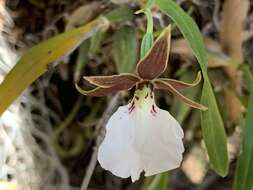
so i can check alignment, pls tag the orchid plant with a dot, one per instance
(140, 136)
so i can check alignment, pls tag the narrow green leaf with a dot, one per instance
(211, 121)
(35, 61)
(124, 49)
(244, 170)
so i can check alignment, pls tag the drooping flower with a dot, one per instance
(140, 136)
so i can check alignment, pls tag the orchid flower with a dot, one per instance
(140, 136)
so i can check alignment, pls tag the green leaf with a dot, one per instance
(120, 14)
(36, 60)
(213, 131)
(188, 28)
(124, 49)
(244, 170)
(96, 42)
(211, 121)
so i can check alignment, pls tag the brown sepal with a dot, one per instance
(124, 79)
(161, 85)
(100, 91)
(155, 62)
(180, 85)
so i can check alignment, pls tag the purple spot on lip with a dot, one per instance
(153, 109)
(131, 108)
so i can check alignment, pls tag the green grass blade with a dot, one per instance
(36, 60)
(211, 121)
(244, 170)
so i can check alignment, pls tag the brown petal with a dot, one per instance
(155, 62)
(180, 85)
(124, 79)
(100, 91)
(160, 85)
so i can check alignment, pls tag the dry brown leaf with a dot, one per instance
(83, 14)
(231, 37)
(232, 25)
(181, 47)
(215, 56)
(234, 106)
(195, 165)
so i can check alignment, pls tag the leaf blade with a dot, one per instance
(244, 168)
(125, 49)
(35, 61)
(218, 156)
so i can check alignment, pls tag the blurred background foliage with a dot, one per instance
(227, 30)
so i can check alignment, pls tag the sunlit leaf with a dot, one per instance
(36, 60)
(124, 49)
(244, 170)
(211, 121)
(4, 185)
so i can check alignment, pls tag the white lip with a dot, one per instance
(141, 140)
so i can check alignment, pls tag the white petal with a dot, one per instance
(159, 141)
(140, 141)
(116, 153)
(140, 136)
